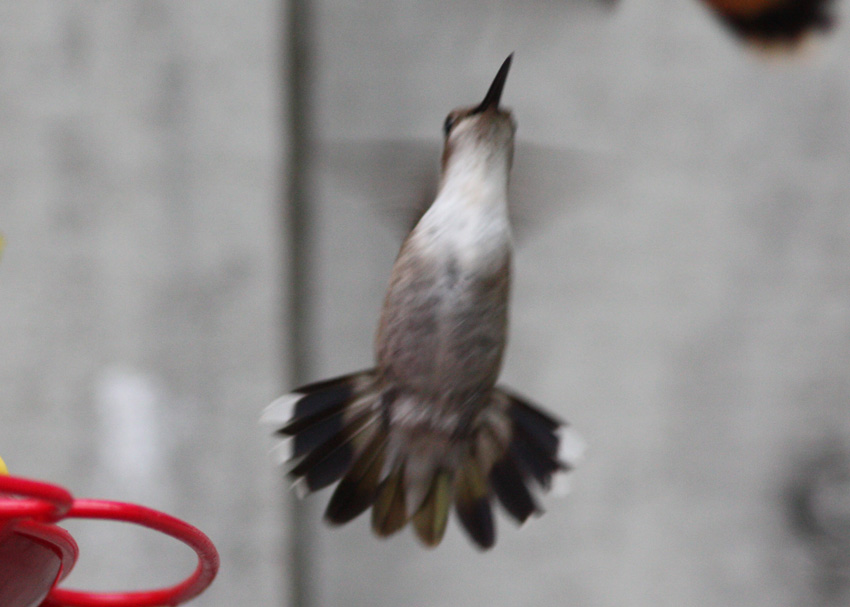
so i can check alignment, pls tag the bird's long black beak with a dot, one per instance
(494, 94)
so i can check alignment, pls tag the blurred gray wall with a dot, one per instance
(688, 310)
(139, 286)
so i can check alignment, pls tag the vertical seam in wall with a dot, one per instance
(297, 46)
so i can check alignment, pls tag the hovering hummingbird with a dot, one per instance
(774, 22)
(427, 427)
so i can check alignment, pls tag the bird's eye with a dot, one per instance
(448, 124)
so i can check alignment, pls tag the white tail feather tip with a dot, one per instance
(280, 411)
(562, 484)
(281, 452)
(571, 447)
(299, 487)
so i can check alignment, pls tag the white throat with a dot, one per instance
(469, 218)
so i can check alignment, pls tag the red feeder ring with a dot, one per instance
(41, 501)
(33, 557)
(35, 554)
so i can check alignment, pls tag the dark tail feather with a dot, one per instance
(431, 519)
(539, 427)
(511, 490)
(327, 463)
(535, 451)
(389, 514)
(317, 433)
(328, 421)
(472, 504)
(534, 442)
(358, 488)
(314, 402)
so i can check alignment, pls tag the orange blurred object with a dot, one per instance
(772, 23)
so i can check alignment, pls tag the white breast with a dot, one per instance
(469, 222)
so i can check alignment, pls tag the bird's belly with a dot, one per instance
(444, 337)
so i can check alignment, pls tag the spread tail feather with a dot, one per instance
(431, 519)
(329, 423)
(389, 514)
(358, 488)
(340, 431)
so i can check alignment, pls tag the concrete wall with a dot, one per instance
(139, 286)
(686, 307)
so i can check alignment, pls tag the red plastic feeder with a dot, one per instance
(36, 554)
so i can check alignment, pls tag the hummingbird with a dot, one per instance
(427, 430)
(774, 22)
